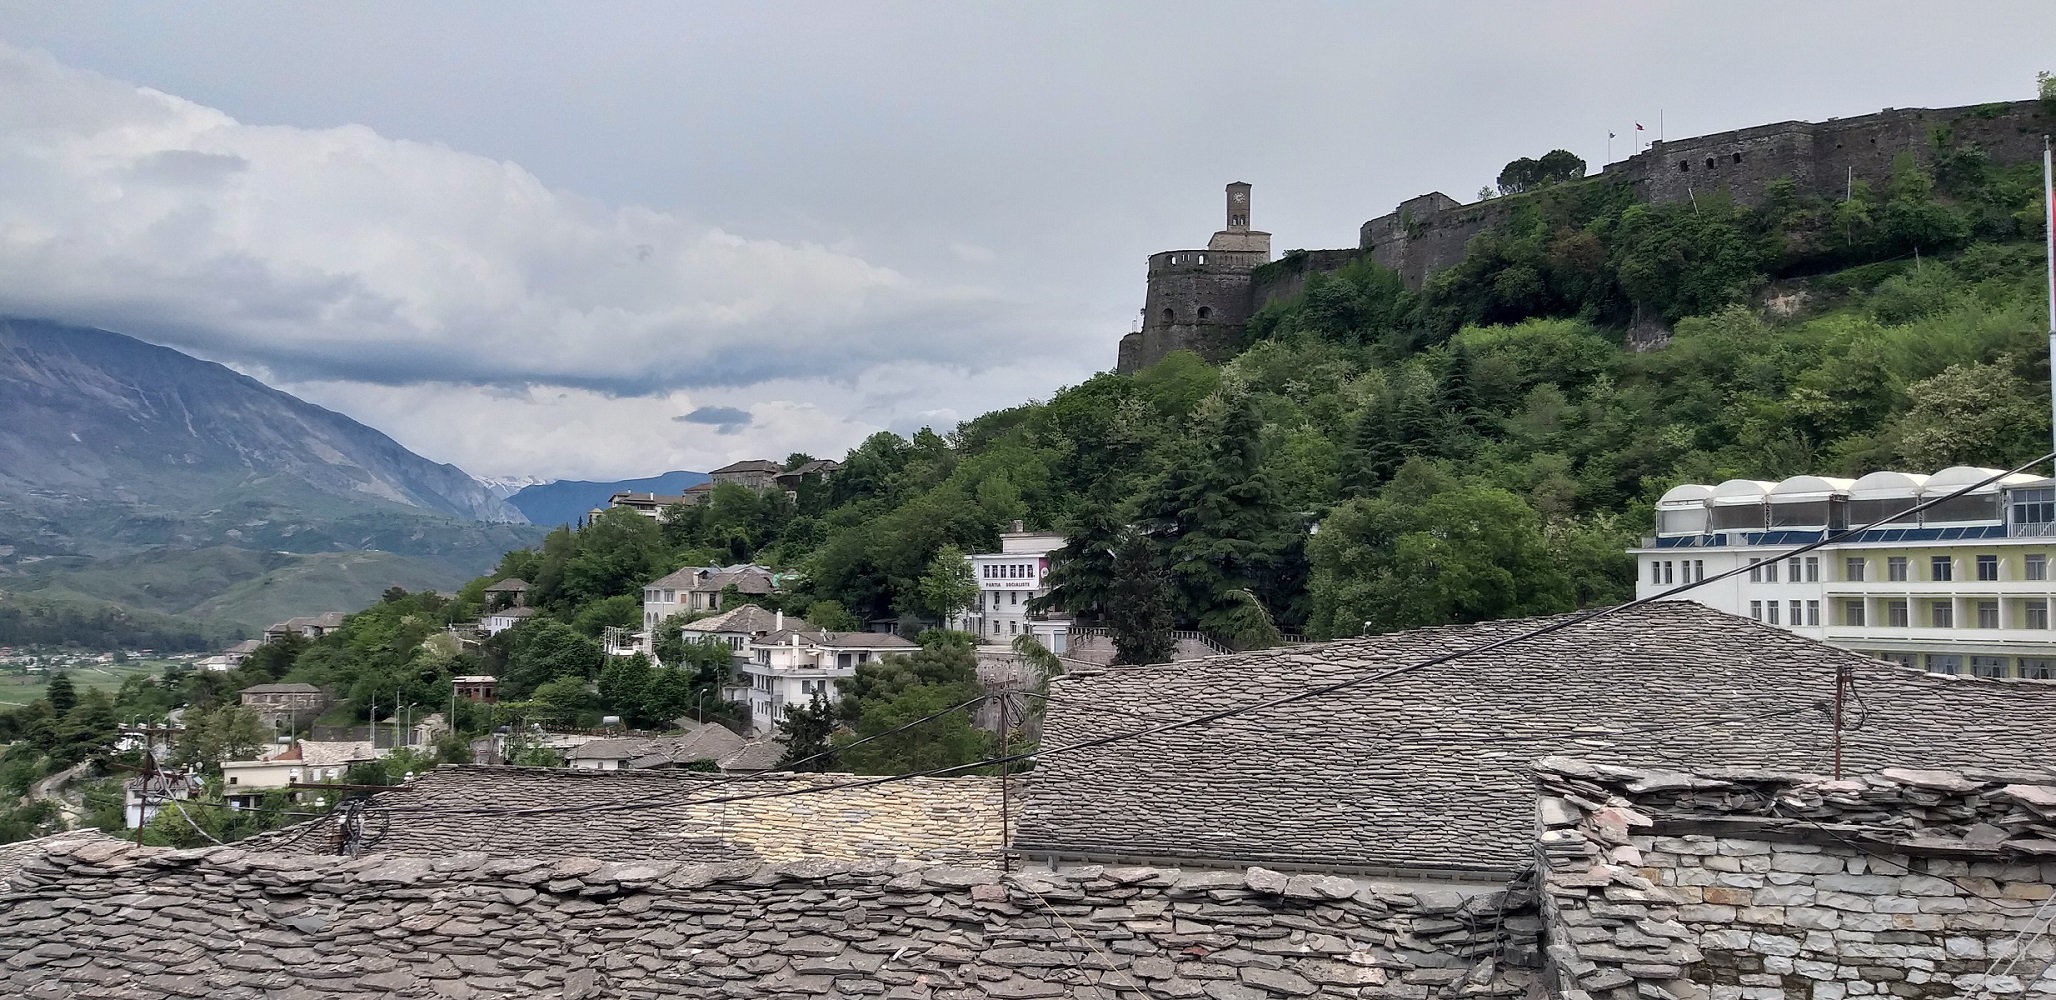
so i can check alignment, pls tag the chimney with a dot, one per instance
(777, 621)
(1017, 527)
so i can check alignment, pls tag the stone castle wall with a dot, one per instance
(1745, 885)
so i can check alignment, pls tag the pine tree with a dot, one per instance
(1138, 611)
(61, 694)
(1081, 573)
(1224, 523)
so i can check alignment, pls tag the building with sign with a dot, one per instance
(1007, 581)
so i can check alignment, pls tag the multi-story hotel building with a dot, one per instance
(1963, 587)
(1007, 581)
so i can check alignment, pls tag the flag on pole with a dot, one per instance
(1638, 126)
(1609, 135)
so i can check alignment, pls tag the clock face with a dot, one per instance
(1240, 197)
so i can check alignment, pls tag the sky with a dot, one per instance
(604, 240)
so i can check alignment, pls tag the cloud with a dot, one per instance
(726, 419)
(341, 254)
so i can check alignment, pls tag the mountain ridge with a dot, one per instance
(565, 501)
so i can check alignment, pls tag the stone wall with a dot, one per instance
(670, 815)
(1758, 885)
(1196, 300)
(112, 920)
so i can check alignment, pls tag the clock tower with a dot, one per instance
(1238, 207)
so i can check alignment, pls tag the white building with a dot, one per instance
(790, 667)
(1007, 581)
(305, 762)
(495, 622)
(1961, 588)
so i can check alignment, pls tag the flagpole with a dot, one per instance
(2049, 239)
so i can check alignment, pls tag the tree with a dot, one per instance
(541, 650)
(1974, 414)
(1249, 624)
(1081, 573)
(231, 732)
(1555, 167)
(948, 589)
(895, 744)
(624, 688)
(832, 616)
(1138, 610)
(805, 731)
(61, 695)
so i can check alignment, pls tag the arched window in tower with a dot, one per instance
(1206, 312)
(1167, 315)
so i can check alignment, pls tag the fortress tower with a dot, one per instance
(1198, 299)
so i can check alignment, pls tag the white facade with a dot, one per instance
(791, 667)
(496, 622)
(303, 763)
(1007, 581)
(1962, 588)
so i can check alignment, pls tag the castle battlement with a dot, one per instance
(1198, 300)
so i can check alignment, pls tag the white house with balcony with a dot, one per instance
(1962, 587)
(791, 666)
(1007, 581)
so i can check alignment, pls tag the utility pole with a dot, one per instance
(1842, 678)
(2049, 239)
(1005, 768)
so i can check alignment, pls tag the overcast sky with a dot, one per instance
(602, 240)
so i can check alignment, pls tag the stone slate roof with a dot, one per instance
(511, 585)
(513, 612)
(747, 465)
(838, 640)
(760, 754)
(748, 618)
(1424, 771)
(949, 820)
(283, 687)
(707, 579)
(707, 742)
(115, 920)
(14, 856)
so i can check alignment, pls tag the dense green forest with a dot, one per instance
(1373, 458)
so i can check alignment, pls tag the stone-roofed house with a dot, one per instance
(1422, 772)
(687, 816)
(304, 762)
(699, 588)
(819, 470)
(495, 622)
(763, 753)
(285, 702)
(507, 593)
(701, 743)
(750, 473)
(310, 627)
(740, 626)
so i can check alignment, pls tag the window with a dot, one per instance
(1167, 312)
(1684, 166)
(2033, 507)
(1895, 569)
(1940, 569)
(1942, 614)
(1895, 614)
(2037, 613)
(1738, 157)
(1792, 570)
(1852, 613)
(1667, 572)
(1797, 618)
(2038, 567)
(1755, 570)
(1756, 610)
(1902, 659)
(1988, 666)
(1988, 567)
(1013, 628)
(1852, 569)
(1988, 614)
(1709, 163)
(1655, 571)
(233, 780)
(1944, 663)
(1770, 609)
(1013, 597)
(844, 660)
(1812, 612)
(2038, 668)
(1698, 570)
(1204, 312)
(1812, 569)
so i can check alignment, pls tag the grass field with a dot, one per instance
(20, 689)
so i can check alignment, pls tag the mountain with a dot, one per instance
(90, 414)
(138, 478)
(567, 500)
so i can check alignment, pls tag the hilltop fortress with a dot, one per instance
(1198, 300)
